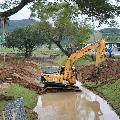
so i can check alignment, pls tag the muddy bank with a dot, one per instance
(106, 72)
(25, 72)
(33, 115)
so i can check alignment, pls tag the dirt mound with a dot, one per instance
(106, 72)
(25, 72)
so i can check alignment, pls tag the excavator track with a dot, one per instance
(53, 88)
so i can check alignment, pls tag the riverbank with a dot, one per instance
(110, 92)
(104, 80)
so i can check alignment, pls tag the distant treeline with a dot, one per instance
(17, 23)
(110, 31)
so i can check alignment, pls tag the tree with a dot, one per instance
(67, 14)
(112, 34)
(25, 39)
(100, 9)
(66, 25)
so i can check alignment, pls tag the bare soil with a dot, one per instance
(106, 72)
(21, 71)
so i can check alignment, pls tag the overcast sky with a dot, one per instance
(22, 14)
(25, 14)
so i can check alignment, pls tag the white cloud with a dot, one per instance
(1, 1)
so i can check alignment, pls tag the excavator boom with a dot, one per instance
(100, 47)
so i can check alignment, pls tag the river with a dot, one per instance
(84, 105)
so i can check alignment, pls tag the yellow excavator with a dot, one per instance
(65, 78)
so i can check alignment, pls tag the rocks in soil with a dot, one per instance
(33, 115)
(6, 98)
(14, 109)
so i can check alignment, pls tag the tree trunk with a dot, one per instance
(60, 37)
(26, 53)
(61, 48)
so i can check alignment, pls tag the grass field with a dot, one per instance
(112, 93)
(2, 104)
(7, 50)
(87, 60)
(45, 52)
(42, 52)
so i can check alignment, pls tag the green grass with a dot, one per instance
(60, 60)
(45, 52)
(2, 105)
(29, 97)
(111, 92)
(19, 91)
(29, 116)
(91, 85)
(7, 50)
(38, 52)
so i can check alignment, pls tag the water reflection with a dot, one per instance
(88, 109)
(73, 106)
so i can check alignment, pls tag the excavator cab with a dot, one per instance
(62, 70)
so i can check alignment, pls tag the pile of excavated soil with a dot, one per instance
(105, 72)
(21, 71)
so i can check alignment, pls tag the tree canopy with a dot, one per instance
(64, 18)
(102, 10)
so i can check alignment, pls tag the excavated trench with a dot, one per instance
(68, 105)
(73, 106)
(84, 105)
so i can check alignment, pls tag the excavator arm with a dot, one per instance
(69, 74)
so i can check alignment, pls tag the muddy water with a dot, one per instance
(73, 106)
